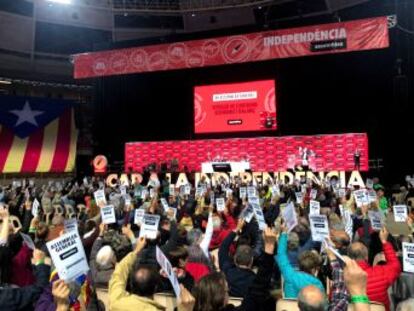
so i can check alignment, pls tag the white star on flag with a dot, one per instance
(26, 114)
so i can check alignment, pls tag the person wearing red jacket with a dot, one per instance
(379, 277)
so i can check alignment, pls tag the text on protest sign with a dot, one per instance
(408, 257)
(247, 214)
(361, 197)
(35, 208)
(139, 216)
(70, 225)
(299, 197)
(258, 213)
(68, 256)
(100, 198)
(221, 204)
(319, 227)
(166, 266)
(400, 213)
(243, 192)
(375, 219)
(290, 217)
(314, 207)
(108, 214)
(149, 226)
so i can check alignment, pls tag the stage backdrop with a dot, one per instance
(266, 154)
(357, 35)
(36, 135)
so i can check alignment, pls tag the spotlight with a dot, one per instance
(61, 1)
(5, 82)
(193, 15)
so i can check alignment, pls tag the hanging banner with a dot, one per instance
(357, 35)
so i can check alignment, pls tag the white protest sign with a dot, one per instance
(229, 192)
(68, 256)
(166, 266)
(199, 192)
(139, 216)
(376, 220)
(144, 193)
(149, 226)
(100, 199)
(400, 213)
(101, 185)
(243, 192)
(70, 225)
(275, 190)
(369, 183)
(85, 181)
(164, 204)
(258, 213)
(372, 196)
(31, 182)
(299, 197)
(35, 208)
(341, 192)
(221, 204)
(28, 241)
(254, 200)
(251, 192)
(187, 189)
(314, 207)
(152, 192)
(248, 214)
(108, 214)
(408, 257)
(361, 197)
(333, 250)
(290, 217)
(319, 227)
(172, 190)
(313, 194)
(212, 196)
(123, 190)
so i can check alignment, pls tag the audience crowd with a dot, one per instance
(224, 257)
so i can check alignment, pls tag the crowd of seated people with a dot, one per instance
(240, 264)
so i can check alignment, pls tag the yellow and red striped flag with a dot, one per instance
(36, 135)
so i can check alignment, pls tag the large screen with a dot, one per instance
(236, 107)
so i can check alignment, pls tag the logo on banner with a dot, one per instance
(119, 62)
(211, 48)
(100, 164)
(236, 49)
(139, 59)
(100, 66)
(157, 61)
(177, 52)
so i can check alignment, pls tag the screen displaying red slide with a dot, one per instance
(237, 107)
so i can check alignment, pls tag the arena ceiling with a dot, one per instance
(41, 34)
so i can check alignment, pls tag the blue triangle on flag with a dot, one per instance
(26, 115)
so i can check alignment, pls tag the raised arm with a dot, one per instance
(118, 282)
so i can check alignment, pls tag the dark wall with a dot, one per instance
(352, 92)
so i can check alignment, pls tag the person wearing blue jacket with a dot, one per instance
(294, 281)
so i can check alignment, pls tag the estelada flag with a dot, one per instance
(36, 135)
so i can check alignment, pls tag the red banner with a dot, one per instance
(366, 34)
(265, 154)
(235, 107)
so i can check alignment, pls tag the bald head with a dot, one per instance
(311, 298)
(358, 251)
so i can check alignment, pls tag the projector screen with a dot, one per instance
(236, 107)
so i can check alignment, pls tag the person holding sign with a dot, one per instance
(20, 298)
(142, 281)
(211, 292)
(379, 277)
(238, 270)
(309, 264)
